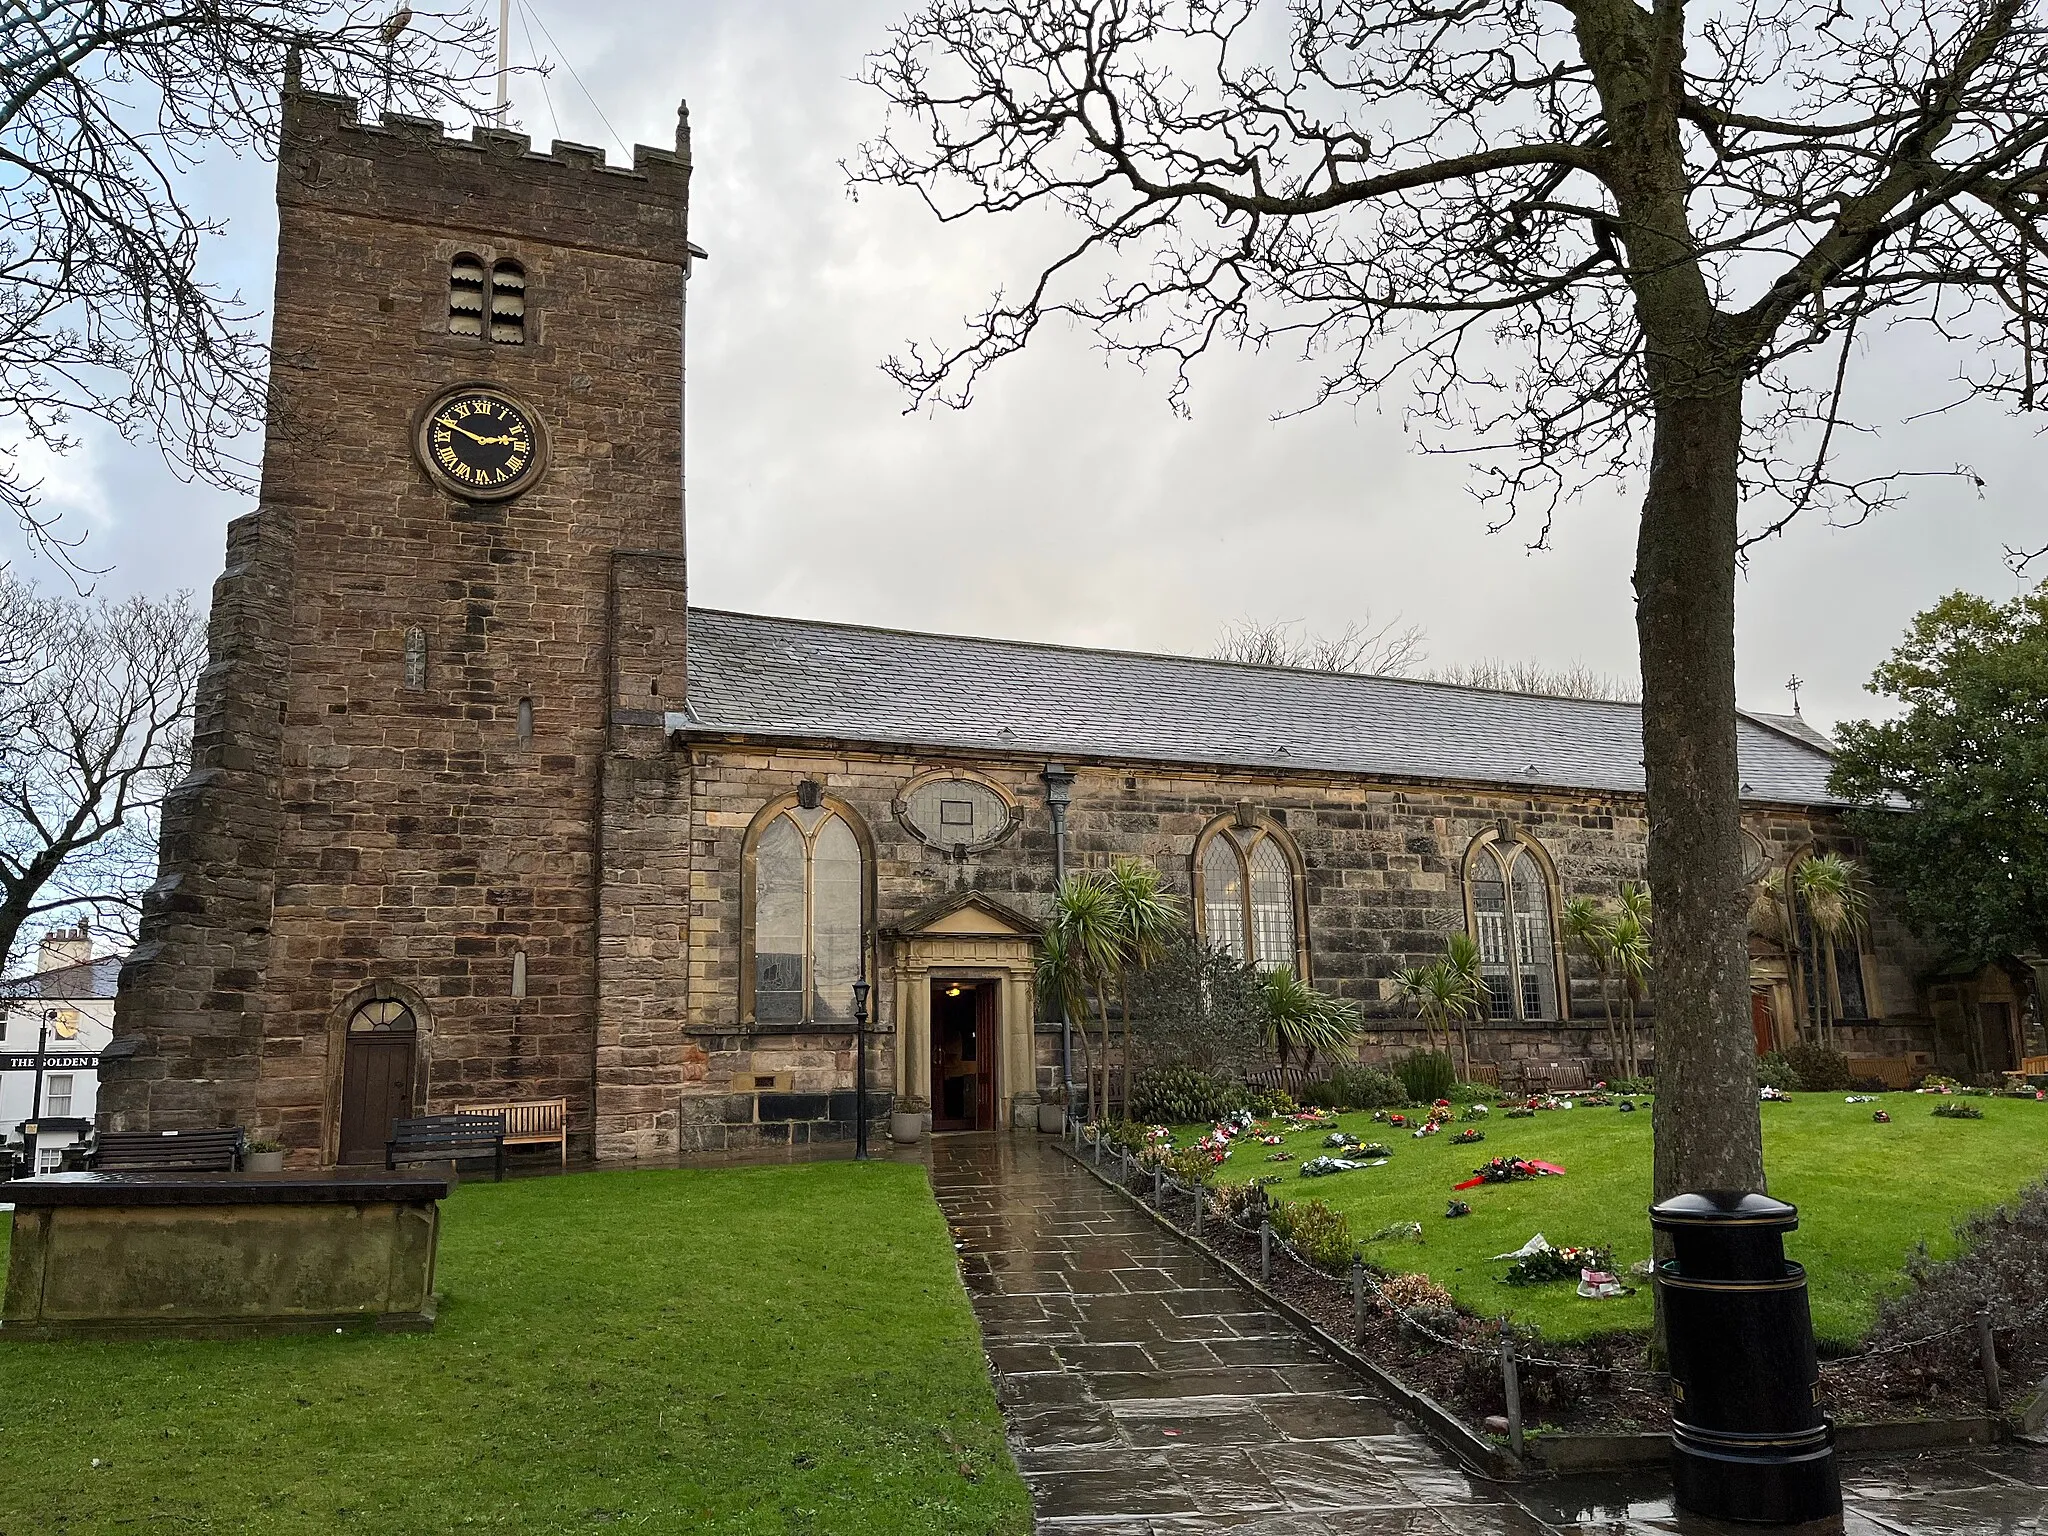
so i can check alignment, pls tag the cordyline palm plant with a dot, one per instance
(1299, 1018)
(1446, 989)
(1103, 924)
(1461, 966)
(1588, 927)
(1631, 960)
(1838, 906)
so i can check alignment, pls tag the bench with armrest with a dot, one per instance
(532, 1123)
(1895, 1072)
(447, 1139)
(208, 1151)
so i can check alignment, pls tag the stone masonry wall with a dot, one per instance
(1382, 883)
(423, 841)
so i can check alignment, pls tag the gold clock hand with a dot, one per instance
(451, 426)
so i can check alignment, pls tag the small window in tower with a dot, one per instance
(508, 304)
(466, 296)
(526, 722)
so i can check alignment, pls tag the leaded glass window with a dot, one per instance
(1249, 897)
(808, 918)
(1512, 925)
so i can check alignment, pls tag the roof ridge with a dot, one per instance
(1257, 667)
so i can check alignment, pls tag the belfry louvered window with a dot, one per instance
(487, 301)
(508, 304)
(466, 296)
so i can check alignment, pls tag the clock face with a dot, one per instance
(481, 444)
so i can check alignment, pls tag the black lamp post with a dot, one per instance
(31, 1132)
(1059, 794)
(860, 1070)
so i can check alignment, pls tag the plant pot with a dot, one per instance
(906, 1126)
(1052, 1119)
(263, 1162)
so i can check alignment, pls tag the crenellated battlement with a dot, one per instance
(493, 181)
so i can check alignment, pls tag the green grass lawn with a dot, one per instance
(782, 1349)
(1867, 1194)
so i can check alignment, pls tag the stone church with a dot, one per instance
(483, 810)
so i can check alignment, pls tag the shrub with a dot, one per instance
(1267, 1102)
(1319, 1234)
(1820, 1070)
(1125, 1135)
(1190, 1165)
(1422, 1299)
(1426, 1076)
(1238, 1202)
(1774, 1071)
(1634, 1085)
(1357, 1087)
(1469, 1093)
(1182, 1095)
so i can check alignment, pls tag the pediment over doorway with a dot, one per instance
(966, 914)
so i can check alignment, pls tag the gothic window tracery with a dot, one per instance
(1514, 928)
(1248, 894)
(806, 920)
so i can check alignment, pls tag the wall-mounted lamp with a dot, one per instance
(953, 990)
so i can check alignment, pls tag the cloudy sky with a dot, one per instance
(1069, 503)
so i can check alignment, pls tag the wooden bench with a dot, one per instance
(532, 1122)
(447, 1139)
(212, 1151)
(1895, 1072)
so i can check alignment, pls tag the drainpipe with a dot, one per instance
(1059, 787)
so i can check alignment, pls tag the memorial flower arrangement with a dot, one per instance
(1882, 1118)
(1522, 1112)
(1545, 1265)
(1474, 1112)
(1508, 1170)
(1958, 1112)
(1456, 1208)
(1466, 1138)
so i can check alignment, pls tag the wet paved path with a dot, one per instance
(1147, 1396)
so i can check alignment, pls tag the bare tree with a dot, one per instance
(1573, 681)
(99, 714)
(1382, 650)
(104, 106)
(1597, 239)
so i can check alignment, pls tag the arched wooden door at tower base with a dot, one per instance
(378, 1065)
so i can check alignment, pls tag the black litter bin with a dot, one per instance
(1748, 1440)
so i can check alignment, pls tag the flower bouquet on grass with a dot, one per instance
(1466, 1138)
(1538, 1263)
(1958, 1111)
(1474, 1112)
(1509, 1170)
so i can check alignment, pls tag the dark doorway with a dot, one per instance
(963, 1055)
(1762, 1023)
(376, 1078)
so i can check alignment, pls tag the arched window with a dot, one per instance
(508, 304)
(1511, 922)
(806, 926)
(466, 296)
(1248, 894)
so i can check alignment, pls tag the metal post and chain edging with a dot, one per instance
(1363, 1281)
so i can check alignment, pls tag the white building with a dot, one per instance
(72, 993)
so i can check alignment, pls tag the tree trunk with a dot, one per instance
(1708, 1134)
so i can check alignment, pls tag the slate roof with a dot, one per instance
(85, 981)
(751, 675)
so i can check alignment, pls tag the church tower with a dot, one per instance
(444, 641)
